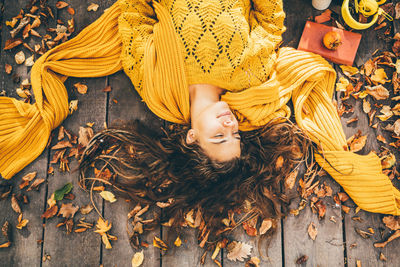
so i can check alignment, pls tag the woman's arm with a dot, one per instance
(266, 19)
(135, 27)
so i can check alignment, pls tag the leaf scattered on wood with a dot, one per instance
(20, 57)
(81, 88)
(68, 210)
(14, 204)
(86, 209)
(85, 134)
(324, 17)
(93, 7)
(8, 68)
(382, 257)
(60, 193)
(253, 262)
(50, 212)
(312, 230)
(137, 259)
(178, 242)
(392, 222)
(265, 226)
(238, 251)
(61, 4)
(302, 259)
(23, 223)
(35, 185)
(109, 196)
(158, 243)
(363, 234)
(379, 92)
(391, 238)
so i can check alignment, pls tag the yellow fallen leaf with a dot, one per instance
(102, 226)
(107, 195)
(387, 113)
(369, 67)
(106, 242)
(137, 259)
(158, 243)
(379, 92)
(342, 84)
(73, 106)
(22, 224)
(379, 76)
(388, 161)
(349, 70)
(178, 242)
(93, 7)
(81, 88)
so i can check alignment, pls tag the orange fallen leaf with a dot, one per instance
(391, 238)
(8, 68)
(158, 243)
(61, 4)
(81, 88)
(324, 17)
(312, 231)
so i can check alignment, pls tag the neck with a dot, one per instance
(203, 95)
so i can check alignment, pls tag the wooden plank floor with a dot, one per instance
(41, 243)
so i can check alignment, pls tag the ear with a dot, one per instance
(191, 137)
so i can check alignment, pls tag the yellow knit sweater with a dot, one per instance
(164, 47)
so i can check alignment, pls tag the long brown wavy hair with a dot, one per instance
(153, 166)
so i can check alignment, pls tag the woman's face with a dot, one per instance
(216, 131)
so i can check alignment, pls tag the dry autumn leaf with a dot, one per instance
(312, 231)
(14, 204)
(388, 161)
(22, 224)
(157, 242)
(35, 184)
(50, 212)
(137, 259)
(8, 68)
(356, 142)
(86, 209)
(178, 242)
(73, 106)
(379, 76)
(20, 57)
(11, 43)
(109, 196)
(349, 70)
(68, 210)
(238, 251)
(324, 17)
(391, 238)
(265, 226)
(61, 4)
(81, 88)
(253, 262)
(85, 134)
(366, 106)
(378, 92)
(93, 7)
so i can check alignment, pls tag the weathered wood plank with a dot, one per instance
(75, 249)
(357, 247)
(125, 105)
(25, 249)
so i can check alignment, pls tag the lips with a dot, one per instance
(226, 113)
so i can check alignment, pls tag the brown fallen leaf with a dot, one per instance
(302, 259)
(352, 120)
(107, 89)
(35, 185)
(14, 204)
(81, 88)
(358, 263)
(312, 230)
(11, 43)
(391, 238)
(324, 17)
(265, 226)
(392, 222)
(23, 223)
(253, 262)
(382, 257)
(61, 4)
(85, 134)
(381, 138)
(86, 209)
(356, 142)
(71, 11)
(8, 68)
(379, 92)
(68, 210)
(50, 212)
(363, 234)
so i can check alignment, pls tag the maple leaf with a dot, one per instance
(238, 251)
(68, 210)
(102, 226)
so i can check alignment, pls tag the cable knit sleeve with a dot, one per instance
(135, 27)
(266, 21)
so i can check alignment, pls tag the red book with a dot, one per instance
(311, 40)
